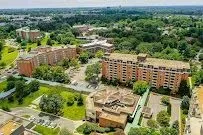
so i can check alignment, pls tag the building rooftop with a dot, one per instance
(27, 29)
(151, 61)
(41, 50)
(9, 127)
(98, 42)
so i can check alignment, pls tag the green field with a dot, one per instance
(8, 58)
(3, 85)
(46, 131)
(73, 112)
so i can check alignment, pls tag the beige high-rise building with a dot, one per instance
(157, 72)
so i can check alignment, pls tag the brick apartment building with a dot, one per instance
(111, 107)
(157, 72)
(97, 45)
(44, 55)
(27, 34)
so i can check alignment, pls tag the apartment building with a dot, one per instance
(157, 72)
(112, 107)
(44, 55)
(27, 34)
(97, 45)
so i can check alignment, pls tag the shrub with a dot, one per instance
(6, 108)
(70, 101)
(10, 50)
(80, 100)
(152, 123)
(88, 127)
(169, 109)
(163, 118)
(11, 99)
(165, 100)
(185, 104)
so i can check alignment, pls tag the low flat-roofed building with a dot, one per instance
(111, 108)
(12, 128)
(97, 45)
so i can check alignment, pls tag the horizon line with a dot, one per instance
(101, 7)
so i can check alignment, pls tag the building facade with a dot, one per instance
(44, 55)
(97, 45)
(27, 34)
(157, 72)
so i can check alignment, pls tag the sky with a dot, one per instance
(92, 3)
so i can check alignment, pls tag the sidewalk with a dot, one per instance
(77, 88)
(138, 113)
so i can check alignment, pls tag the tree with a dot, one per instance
(80, 100)
(18, 39)
(24, 43)
(84, 57)
(99, 54)
(49, 42)
(75, 63)
(20, 88)
(140, 87)
(163, 118)
(34, 86)
(39, 43)
(184, 88)
(52, 103)
(168, 131)
(165, 100)
(29, 49)
(10, 85)
(92, 72)
(152, 123)
(175, 125)
(143, 131)
(185, 104)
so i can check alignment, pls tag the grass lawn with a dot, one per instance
(8, 58)
(72, 112)
(46, 131)
(3, 85)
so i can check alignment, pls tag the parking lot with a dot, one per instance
(78, 76)
(155, 104)
(45, 119)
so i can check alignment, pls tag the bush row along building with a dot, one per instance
(44, 55)
(111, 108)
(27, 34)
(157, 72)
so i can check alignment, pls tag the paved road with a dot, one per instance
(175, 109)
(62, 122)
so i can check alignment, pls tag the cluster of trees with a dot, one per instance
(131, 35)
(160, 126)
(52, 103)
(1, 48)
(50, 73)
(22, 89)
(77, 98)
(92, 72)
(140, 87)
(69, 63)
